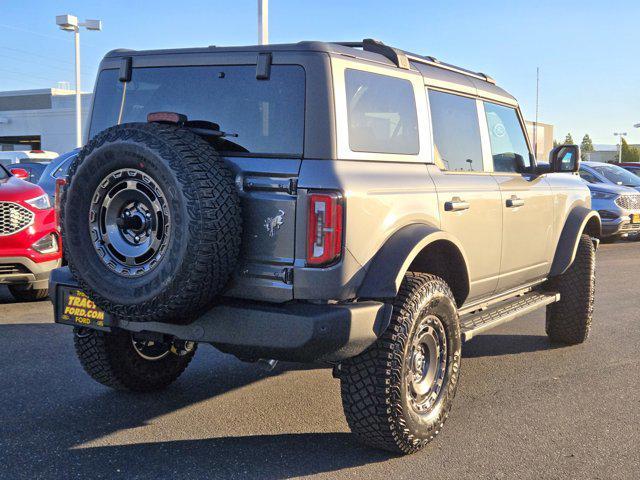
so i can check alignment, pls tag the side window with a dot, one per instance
(456, 132)
(508, 143)
(382, 114)
(587, 176)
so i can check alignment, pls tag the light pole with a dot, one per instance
(263, 22)
(70, 24)
(620, 134)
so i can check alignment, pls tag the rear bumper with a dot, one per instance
(299, 332)
(24, 271)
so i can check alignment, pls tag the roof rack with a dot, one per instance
(401, 58)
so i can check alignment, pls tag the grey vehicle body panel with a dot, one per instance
(394, 204)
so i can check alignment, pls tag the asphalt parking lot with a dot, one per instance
(524, 409)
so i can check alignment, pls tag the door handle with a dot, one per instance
(514, 202)
(456, 205)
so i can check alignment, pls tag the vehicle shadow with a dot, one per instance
(5, 295)
(52, 412)
(496, 345)
(256, 456)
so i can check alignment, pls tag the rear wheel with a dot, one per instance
(28, 294)
(397, 394)
(122, 361)
(569, 320)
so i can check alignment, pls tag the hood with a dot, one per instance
(610, 188)
(13, 189)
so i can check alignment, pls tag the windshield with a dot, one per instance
(618, 175)
(3, 173)
(266, 115)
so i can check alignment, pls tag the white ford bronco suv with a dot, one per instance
(344, 203)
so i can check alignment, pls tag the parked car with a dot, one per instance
(614, 193)
(610, 174)
(618, 206)
(29, 238)
(33, 170)
(17, 156)
(632, 167)
(348, 204)
(58, 168)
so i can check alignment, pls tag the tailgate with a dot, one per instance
(267, 188)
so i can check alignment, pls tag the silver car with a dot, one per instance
(614, 194)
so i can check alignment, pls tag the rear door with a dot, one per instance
(468, 195)
(526, 200)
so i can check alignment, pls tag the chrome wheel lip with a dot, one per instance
(129, 222)
(426, 364)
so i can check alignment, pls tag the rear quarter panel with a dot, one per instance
(380, 198)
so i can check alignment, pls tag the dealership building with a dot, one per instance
(42, 119)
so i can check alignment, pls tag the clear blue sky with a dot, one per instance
(588, 51)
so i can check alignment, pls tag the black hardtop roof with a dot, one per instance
(353, 49)
(366, 50)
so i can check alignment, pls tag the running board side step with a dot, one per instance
(477, 322)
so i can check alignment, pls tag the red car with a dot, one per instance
(29, 237)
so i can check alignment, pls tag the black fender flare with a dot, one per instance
(387, 268)
(578, 220)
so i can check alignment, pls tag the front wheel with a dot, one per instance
(27, 293)
(569, 320)
(397, 394)
(123, 362)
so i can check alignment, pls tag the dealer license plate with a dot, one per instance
(75, 308)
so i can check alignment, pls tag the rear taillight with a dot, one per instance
(60, 184)
(324, 234)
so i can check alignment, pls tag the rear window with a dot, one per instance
(456, 132)
(266, 115)
(382, 114)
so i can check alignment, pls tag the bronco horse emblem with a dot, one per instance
(274, 223)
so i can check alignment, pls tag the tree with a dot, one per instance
(568, 140)
(629, 154)
(586, 147)
(556, 143)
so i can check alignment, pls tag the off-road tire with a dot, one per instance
(28, 294)
(110, 359)
(373, 386)
(569, 320)
(205, 228)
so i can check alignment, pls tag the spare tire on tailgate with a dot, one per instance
(151, 222)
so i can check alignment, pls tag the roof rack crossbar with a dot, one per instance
(399, 57)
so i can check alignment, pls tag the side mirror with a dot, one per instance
(20, 173)
(565, 159)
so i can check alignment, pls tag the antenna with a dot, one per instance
(535, 127)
